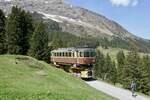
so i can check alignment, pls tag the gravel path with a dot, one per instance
(116, 92)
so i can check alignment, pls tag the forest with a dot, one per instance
(126, 68)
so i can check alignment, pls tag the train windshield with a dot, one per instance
(93, 54)
(88, 54)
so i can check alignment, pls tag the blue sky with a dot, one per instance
(133, 15)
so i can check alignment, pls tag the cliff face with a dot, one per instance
(72, 19)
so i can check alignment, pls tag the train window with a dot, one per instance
(93, 54)
(69, 54)
(81, 54)
(86, 54)
(63, 54)
(72, 54)
(66, 54)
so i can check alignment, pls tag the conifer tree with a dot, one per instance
(107, 67)
(145, 75)
(99, 66)
(110, 70)
(2, 32)
(120, 65)
(146, 65)
(113, 73)
(27, 31)
(13, 30)
(57, 43)
(39, 42)
(131, 70)
(19, 27)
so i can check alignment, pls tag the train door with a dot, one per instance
(76, 56)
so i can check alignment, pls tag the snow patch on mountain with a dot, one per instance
(52, 17)
(62, 19)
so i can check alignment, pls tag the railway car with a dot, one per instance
(81, 60)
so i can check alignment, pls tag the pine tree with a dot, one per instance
(107, 67)
(131, 70)
(39, 42)
(27, 30)
(120, 65)
(19, 27)
(145, 75)
(13, 31)
(146, 65)
(113, 73)
(57, 43)
(2, 32)
(99, 66)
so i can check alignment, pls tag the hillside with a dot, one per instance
(113, 52)
(25, 78)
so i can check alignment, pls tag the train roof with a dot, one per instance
(72, 49)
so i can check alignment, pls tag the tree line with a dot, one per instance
(127, 68)
(65, 39)
(21, 34)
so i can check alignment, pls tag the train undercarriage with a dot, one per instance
(81, 71)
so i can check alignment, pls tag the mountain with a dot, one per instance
(72, 19)
(75, 20)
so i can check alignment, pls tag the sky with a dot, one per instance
(133, 15)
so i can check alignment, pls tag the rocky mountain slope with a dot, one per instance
(72, 19)
(75, 20)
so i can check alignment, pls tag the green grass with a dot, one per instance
(25, 78)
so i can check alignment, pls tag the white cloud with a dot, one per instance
(124, 2)
(135, 2)
(8, 0)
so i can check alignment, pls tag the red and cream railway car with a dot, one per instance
(73, 56)
(81, 58)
